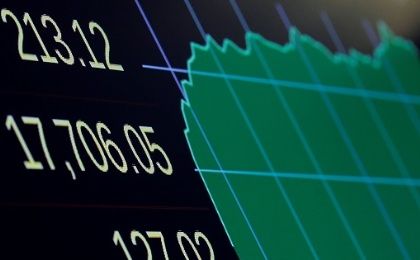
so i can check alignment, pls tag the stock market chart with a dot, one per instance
(210, 130)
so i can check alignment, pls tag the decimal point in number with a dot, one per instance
(135, 169)
(70, 168)
(82, 62)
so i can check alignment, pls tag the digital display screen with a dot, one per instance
(220, 129)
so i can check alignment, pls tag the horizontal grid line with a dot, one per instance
(341, 90)
(324, 177)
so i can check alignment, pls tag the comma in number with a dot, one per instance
(135, 169)
(82, 62)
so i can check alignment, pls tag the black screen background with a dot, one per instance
(45, 214)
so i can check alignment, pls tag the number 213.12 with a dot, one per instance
(65, 55)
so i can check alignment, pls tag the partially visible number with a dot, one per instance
(118, 240)
(180, 236)
(24, 56)
(134, 236)
(199, 235)
(159, 235)
(94, 26)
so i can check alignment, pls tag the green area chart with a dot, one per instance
(308, 154)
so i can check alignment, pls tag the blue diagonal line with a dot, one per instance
(311, 154)
(152, 32)
(412, 113)
(396, 83)
(201, 30)
(402, 168)
(355, 156)
(246, 28)
(231, 189)
(248, 123)
(373, 39)
(284, 103)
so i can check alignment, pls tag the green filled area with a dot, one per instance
(306, 153)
